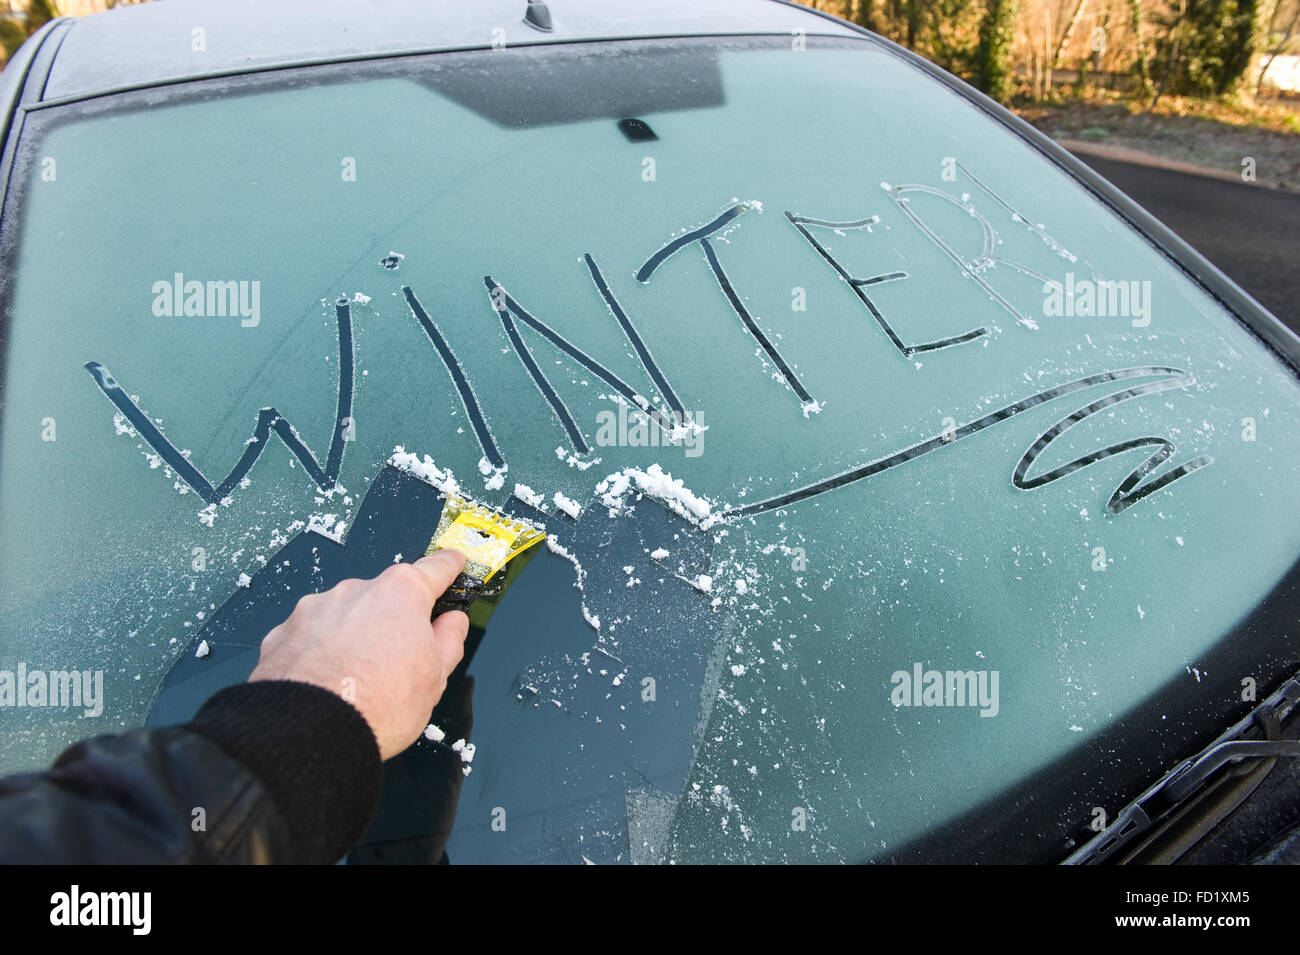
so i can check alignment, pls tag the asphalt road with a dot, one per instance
(1250, 232)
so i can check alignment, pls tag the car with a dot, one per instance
(911, 495)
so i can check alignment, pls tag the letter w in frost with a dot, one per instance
(268, 420)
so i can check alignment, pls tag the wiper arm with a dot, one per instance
(1193, 776)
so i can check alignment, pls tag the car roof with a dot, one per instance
(151, 44)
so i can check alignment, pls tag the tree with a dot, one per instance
(15, 29)
(1141, 62)
(993, 72)
(1255, 44)
(1069, 32)
(1209, 46)
(1279, 46)
(39, 13)
(12, 35)
(869, 14)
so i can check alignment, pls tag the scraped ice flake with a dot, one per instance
(203, 650)
(466, 752)
(465, 749)
(659, 553)
(567, 505)
(573, 461)
(494, 477)
(425, 470)
(530, 497)
(244, 580)
(657, 484)
(432, 732)
(327, 525)
(121, 425)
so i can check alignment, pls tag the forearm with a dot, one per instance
(266, 772)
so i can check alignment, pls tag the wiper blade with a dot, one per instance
(1193, 776)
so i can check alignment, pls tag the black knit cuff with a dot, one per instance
(312, 750)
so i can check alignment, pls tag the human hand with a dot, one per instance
(371, 642)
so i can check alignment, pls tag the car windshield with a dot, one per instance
(884, 466)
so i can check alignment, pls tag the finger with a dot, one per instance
(438, 570)
(449, 632)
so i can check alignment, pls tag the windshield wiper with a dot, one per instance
(1221, 776)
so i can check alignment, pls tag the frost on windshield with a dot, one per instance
(669, 596)
(788, 437)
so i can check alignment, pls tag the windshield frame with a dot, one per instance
(996, 841)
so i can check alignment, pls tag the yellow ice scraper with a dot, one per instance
(488, 539)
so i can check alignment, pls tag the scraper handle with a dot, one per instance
(464, 590)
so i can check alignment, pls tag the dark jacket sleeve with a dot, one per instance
(272, 771)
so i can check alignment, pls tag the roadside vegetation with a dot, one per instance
(1197, 81)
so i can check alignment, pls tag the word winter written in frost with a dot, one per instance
(664, 419)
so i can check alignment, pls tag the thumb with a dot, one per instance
(439, 569)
